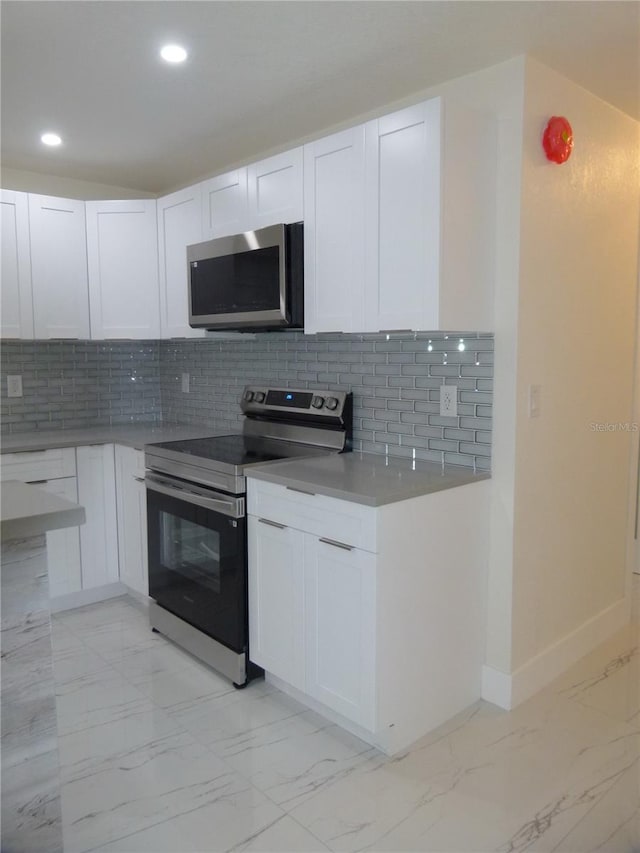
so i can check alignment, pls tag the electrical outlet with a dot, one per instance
(14, 386)
(185, 383)
(449, 401)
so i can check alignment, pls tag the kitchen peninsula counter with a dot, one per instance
(31, 815)
(365, 478)
(27, 511)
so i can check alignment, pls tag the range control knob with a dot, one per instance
(331, 403)
(248, 396)
(259, 396)
(317, 402)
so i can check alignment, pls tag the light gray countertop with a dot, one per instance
(26, 511)
(365, 478)
(136, 435)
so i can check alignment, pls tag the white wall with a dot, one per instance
(500, 90)
(576, 329)
(34, 182)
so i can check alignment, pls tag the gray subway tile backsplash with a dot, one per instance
(395, 381)
(80, 383)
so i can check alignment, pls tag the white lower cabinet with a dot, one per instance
(108, 553)
(78, 558)
(276, 595)
(312, 606)
(131, 505)
(372, 616)
(53, 471)
(339, 635)
(63, 546)
(99, 533)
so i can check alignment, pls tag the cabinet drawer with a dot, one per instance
(39, 465)
(341, 521)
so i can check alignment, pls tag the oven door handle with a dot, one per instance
(233, 507)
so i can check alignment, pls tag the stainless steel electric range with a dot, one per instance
(196, 520)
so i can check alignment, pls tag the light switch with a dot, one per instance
(535, 400)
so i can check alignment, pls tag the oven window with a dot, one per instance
(198, 566)
(190, 550)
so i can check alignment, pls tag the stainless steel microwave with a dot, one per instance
(252, 281)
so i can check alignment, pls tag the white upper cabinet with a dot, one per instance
(225, 205)
(402, 236)
(122, 251)
(264, 193)
(179, 225)
(403, 219)
(59, 267)
(468, 218)
(334, 241)
(16, 304)
(275, 189)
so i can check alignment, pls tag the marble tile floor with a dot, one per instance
(158, 753)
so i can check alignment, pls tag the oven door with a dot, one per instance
(198, 557)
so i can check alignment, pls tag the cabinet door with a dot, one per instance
(340, 607)
(334, 247)
(99, 533)
(275, 189)
(59, 267)
(63, 546)
(131, 505)
(179, 225)
(276, 600)
(16, 304)
(122, 251)
(225, 204)
(403, 219)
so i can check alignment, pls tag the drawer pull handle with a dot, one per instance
(37, 482)
(301, 491)
(337, 544)
(272, 523)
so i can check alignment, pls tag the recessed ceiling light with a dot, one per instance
(173, 53)
(51, 139)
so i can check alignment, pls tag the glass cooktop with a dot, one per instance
(237, 449)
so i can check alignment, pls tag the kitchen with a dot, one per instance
(281, 352)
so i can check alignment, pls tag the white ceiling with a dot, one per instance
(263, 74)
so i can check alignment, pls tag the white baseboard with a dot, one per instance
(508, 690)
(87, 596)
(496, 687)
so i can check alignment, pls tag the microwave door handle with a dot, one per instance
(233, 507)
